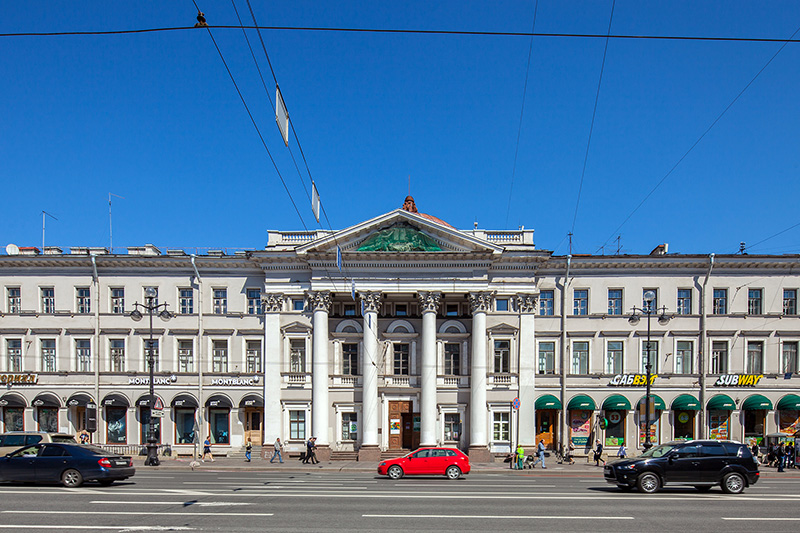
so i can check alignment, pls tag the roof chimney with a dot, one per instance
(661, 249)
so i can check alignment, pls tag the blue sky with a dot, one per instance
(155, 118)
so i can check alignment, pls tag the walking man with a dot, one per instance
(781, 456)
(207, 449)
(310, 455)
(248, 449)
(622, 453)
(278, 449)
(598, 453)
(540, 448)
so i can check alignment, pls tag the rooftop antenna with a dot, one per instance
(570, 242)
(110, 232)
(43, 217)
(619, 245)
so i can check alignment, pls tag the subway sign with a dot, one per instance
(631, 380)
(738, 380)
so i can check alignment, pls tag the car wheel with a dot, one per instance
(648, 483)
(453, 472)
(71, 478)
(105, 482)
(703, 488)
(395, 472)
(733, 483)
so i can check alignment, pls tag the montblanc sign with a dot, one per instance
(167, 380)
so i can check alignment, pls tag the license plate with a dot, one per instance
(121, 463)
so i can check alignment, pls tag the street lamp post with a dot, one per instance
(649, 310)
(151, 306)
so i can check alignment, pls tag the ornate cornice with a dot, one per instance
(371, 301)
(480, 302)
(320, 301)
(526, 303)
(273, 302)
(429, 301)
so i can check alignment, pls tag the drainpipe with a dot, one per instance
(701, 354)
(97, 350)
(200, 350)
(563, 357)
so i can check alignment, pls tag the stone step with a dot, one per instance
(344, 456)
(391, 454)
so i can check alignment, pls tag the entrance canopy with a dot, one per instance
(252, 400)
(616, 402)
(658, 400)
(685, 402)
(548, 401)
(145, 400)
(79, 399)
(116, 399)
(12, 400)
(721, 402)
(757, 401)
(219, 401)
(790, 402)
(581, 402)
(185, 401)
(46, 399)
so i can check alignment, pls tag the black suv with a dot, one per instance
(701, 463)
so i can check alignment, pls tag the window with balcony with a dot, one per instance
(350, 359)
(186, 355)
(254, 302)
(580, 302)
(14, 354)
(720, 306)
(48, 347)
(219, 356)
(614, 301)
(402, 359)
(452, 359)
(502, 356)
(755, 357)
(117, 348)
(297, 355)
(186, 301)
(117, 300)
(684, 357)
(719, 357)
(48, 300)
(547, 357)
(790, 302)
(614, 357)
(253, 355)
(755, 304)
(790, 362)
(14, 300)
(547, 300)
(83, 303)
(83, 354)
(684, 306)
(220, 302)
(580, 357)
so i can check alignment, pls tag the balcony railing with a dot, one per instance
(296, 378)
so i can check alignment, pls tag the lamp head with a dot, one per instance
(663, 320)
(633, 320)
(649, 296)
(136, 315)
(150, 292)
(165, 315)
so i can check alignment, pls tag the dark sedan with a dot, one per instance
(68, 464)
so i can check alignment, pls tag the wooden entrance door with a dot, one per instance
(545, 422)
(252, 425)
(411, 422)
(399, 416)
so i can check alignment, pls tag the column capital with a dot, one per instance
(429, 301)
(480, 302)
(526, 303)
(272, 302)
(320, 301)
(371, 300)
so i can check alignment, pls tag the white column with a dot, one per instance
(480, 303)
(429, 303)
(370, 358)
(526, 305)
(272, 358)
(320, 428)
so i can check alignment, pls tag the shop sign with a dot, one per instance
(631, 380)
(738, 380)
(156, 381)
(21, 379)
(234, 382)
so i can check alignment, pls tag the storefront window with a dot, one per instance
(48, 419)
(580, 426)
(220, 431)
(754, 426)
(144, 417)
(684, 425)
(117, 429)
(789, 421)
(655, 424)
(718, 422)
(13, 419)
(184, 426)
(615, 431)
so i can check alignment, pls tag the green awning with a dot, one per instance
(685, 402)
(721, 402)
(790, 402)
(581, 402)
(757, 401)
(548, 401)
(661, 405)
(616, 402)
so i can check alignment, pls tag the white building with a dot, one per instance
(427, 335)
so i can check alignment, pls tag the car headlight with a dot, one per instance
(383, 463)
(627, 467)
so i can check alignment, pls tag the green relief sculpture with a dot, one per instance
(399, 239)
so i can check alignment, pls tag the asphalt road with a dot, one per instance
(356, 501)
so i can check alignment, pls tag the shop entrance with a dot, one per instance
(403, 426)
(545, 422)
(684, 425)
(252, 425)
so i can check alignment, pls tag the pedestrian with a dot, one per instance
(540, 451)
(278, 447)
(311, 457)
(207, 449)
(570, 452)
(248, 449)
(790, 455)
(84, 437)
(598, 453)
(622, 453)
(754, 450)
(780, 456)
(520, 456)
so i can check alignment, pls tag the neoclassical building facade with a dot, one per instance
(398, 332)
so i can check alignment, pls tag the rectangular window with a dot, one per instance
(186, 301)
(614, 301)
(719, 357)
(501, 304)
(402, 359)
(547, 303)
(14, 300)
(220, 301)
(297, 355)
(83, 354)
(720, 302)
(349, 309)
(790, 302)
(48, 419)
(184, 425)
(651, 357)
(349, 426)
(116, 428)
(580, 302)
(501, 427)
(452, 359)
(297, 425)
(754, 302)
(452, 427)
(652, 304)
(13, 418)
(547, 357)
(219, 356)
(219, 420)
(117, 355)
(350, 359)
(502, 357)
(48, 355)
(790, 363)
(755, 357)
(253, 354)
(48, 300)
(452, 310)
(298, 304)
(684, 357)
(614, 357)
(684, 301)
(151, 348)
(14, 355)
(254, 302)
(118, 301)
(83, 301)
(580, 357)
(186, 356)
(401, 310)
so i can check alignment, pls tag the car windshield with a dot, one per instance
(64, 438)
(658, 451)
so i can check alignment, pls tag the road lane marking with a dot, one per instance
(496, 517)
(139, 513)
(183, 503)
(118, 528)
(769, 519)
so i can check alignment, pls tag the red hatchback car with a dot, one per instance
(448, 462)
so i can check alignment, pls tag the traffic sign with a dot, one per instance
(515, 403)
(156, 413)
(158, 405)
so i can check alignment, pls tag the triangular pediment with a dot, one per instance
(296, 327)
(399, 231)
